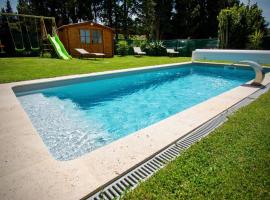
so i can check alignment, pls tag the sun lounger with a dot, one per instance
(138, 51)
(83, 53)
(172, 52)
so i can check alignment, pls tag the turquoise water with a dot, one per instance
(78, 118)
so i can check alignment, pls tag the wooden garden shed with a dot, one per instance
(93, 37)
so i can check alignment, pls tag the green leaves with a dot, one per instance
(241, 27)
(255, 40)
(155, 48)
(122, 48)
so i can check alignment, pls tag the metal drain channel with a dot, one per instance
(133, 177)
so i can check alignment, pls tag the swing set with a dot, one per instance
(36, 29)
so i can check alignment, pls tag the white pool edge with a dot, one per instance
(28, 171)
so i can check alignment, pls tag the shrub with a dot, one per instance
(122, 48)
(46, 55)
(255, 40)
(155, 48)
(144, 44)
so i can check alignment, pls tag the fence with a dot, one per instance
(184, 46)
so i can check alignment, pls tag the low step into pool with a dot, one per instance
(76, 117)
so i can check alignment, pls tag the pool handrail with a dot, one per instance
(259, 73)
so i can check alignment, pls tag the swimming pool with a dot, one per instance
(76, 118)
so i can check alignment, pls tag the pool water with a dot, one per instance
(78, 118)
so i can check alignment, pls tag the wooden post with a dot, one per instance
(44, 34)
(54, 27)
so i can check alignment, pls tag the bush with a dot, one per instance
(155, 48)
(255, 40)
(144, 44)
(46, 55)
(122, 48)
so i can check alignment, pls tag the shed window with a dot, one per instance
(97, 37)
(85, 36)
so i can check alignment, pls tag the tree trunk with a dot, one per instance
(125, 19)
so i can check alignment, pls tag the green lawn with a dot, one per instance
(19, 69)
(231, 163)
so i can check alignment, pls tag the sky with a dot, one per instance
(263, 4)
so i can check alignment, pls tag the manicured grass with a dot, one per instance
(19, 69)
(233, 162)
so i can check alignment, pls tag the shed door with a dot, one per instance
(91, 40)
(97, 41)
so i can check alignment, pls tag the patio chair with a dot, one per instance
(83, 53)
(138, 51)
(172, 52)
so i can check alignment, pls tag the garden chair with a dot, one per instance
(172, 52)
(138, 51)
(83, 53)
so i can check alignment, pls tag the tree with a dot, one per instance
(163, 14)
(111, 13)
(182, 19)
(107, 12)
(8, 7)
(128, 9)
(213, 8)
(84, 10)
(146, 18)
(63, 11)
(70, 12)
(23, 7)
(117, 16)
(157, 19)
(240, 23)
(97, 6)
(198, 18)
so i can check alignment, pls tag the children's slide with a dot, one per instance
(59, 47)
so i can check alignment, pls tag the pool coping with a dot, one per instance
(28, 171)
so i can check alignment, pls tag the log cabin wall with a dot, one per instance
(90, 36)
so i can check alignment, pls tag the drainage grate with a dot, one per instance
(140, 173)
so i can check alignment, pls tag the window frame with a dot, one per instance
(86, 37)
(97, 39)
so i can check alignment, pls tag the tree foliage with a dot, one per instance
(8, 7)
(156, 19)
(240, 23)
(198, 18)
(146, 18)
(23, 6)
(163, 15)
(255, 40)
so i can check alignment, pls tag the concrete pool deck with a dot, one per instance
(28, 171)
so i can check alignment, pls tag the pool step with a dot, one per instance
(134, 176)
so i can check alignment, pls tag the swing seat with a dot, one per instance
(19, 50)
(35, 48)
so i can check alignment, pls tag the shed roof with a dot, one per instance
(85, 23)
